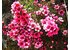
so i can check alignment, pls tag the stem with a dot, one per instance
(66, 8)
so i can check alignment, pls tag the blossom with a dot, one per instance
(38, 12)
(55, 17)
(21, 37)
(60, 20)
(61, 12)
(38, 45)
(40, 5)
(37, 27)
(57, 7)
(45, 7)
(51, 46)
(37, 35)
(52, 41)
(46, 12)
(64, 5)
(21, 44)
(65, 32)
(65, 43)
(31, 23)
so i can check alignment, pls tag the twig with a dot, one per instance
(65, 8)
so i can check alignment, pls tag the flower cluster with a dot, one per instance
(37, 40)
(44, 10)
(50, 26)
(59, 9)
(27, 32)
(22, 28)
(57, 19)
(33, 25)
(16, 7)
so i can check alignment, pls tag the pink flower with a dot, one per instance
(64, 5)
(60, 20)
(65, 43)
(43, 22)
(28, 33)
(52, 41)
(37, 27)
(46, 12)
(38, 44)
(51, 46)
(57, 7)
(36, 35)
(40, 5)
(54, 16)
(38, 12)
(45, 8)
(26, 45)
(54, 32)
(61, 12)
(65, 32)
(21, 37)
(21, 44)
(32, 25)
